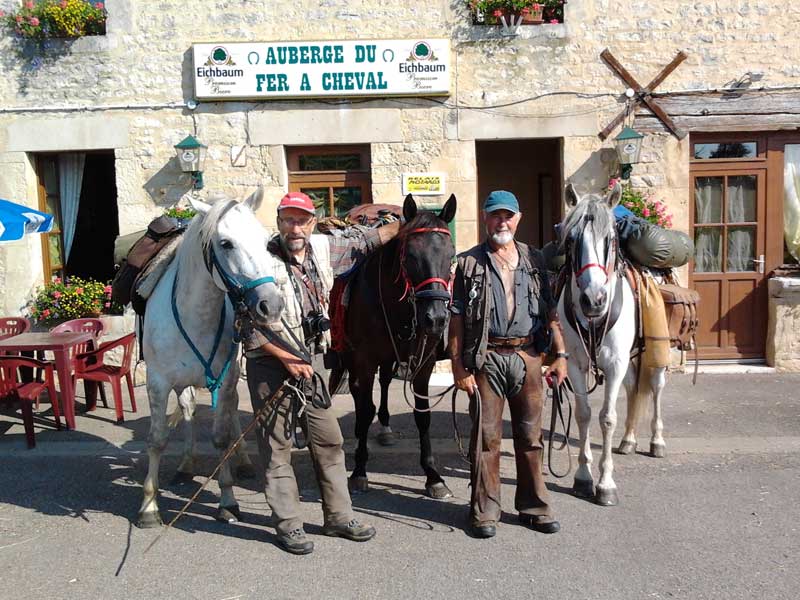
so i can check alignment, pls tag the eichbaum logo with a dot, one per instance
(422, 51)
(219, 56)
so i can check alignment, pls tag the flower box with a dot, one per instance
(56, 19)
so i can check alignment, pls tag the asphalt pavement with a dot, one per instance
(716, 518)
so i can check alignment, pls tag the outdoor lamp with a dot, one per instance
(192, 156)
(629, 146)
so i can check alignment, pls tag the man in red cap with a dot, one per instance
(292, 351)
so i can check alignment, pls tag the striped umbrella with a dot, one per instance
(17, 220)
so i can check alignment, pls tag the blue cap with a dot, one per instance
(501, 200)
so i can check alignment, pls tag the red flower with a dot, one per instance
(56, 295)
(99, 6)
(46, 312)
(63, 4)
(554, 21)
(34, 21)
(107, 289)
(29, 5)
(498, 13)
(2, 13)
(79, 290)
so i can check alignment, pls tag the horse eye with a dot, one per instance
(226, 244)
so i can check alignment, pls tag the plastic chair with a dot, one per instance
(95, 327)
(90, 366)
(13, 389)
(11, 326)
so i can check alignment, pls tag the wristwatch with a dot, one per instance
(562, 354)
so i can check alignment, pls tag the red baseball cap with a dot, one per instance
(297, 200)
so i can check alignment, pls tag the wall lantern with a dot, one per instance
(192, 156)
(629, 146)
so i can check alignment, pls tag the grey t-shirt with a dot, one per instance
(522, 324)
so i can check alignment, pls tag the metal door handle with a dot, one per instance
(760, 262)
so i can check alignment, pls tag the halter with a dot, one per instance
(237, 293)
(414, 290)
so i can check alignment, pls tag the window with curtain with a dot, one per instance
(791, 200)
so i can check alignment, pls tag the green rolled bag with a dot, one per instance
(124, 243)
(659, 248)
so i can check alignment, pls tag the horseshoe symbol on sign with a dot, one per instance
(390, 54)
(250, 58)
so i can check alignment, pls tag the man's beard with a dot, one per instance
(501, 238)
(294, 244)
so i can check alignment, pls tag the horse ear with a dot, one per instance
(448, 211)
(572, 195)
(614, 195)
(199, 206)
(409, 208)
(253, 201)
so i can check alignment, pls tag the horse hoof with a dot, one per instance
(149, 520)
(229, 514)
(438, 491)
(182, 477)
(626, 447)
(358, 485)
(246, 471)
(583, 488)
(387, 438)
(658, 450)
(606, 497)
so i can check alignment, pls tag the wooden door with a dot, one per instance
(728, 224)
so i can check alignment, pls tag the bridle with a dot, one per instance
(414, 291)
(237, 292)
(411, 292)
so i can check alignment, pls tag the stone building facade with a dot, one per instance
(545, 93)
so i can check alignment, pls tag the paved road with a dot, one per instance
(717, 518)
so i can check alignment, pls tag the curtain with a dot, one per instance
(741, 207)
(791, 201)
(70, 180)
(707, 202)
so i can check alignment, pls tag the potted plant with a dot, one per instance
(532, 14)
(71, 298)
(56, 19)
(181, 215)
(643, 205)
(529, 12)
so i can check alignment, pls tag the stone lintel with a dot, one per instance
(479, 125)
(66, 133)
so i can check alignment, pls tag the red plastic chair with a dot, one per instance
(12, 389)
(11, 326)
(90, 366)
(95, 327)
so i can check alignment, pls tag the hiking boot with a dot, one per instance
(486, 529)
(542, 524)
(353, 530)
(296, 542)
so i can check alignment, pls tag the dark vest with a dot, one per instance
(473, 267)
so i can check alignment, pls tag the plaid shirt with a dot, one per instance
(347, 246)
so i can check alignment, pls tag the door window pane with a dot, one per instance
(54, 247)
(742, 199)
(741, 249)
(707, 249)
(319, 196)
(330, 162)
(726, 150)
(345, 198)
(708, 199)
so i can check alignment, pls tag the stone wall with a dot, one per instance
(783, 331)
(126, 91)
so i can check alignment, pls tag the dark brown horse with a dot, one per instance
(398, 312)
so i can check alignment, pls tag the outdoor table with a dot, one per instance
(60, 345)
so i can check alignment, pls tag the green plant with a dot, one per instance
(643, 205)
(180, 213)
(56, 19)
(72, 298)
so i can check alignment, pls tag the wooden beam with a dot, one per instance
(720, 123)
(659, 112)
(621, 71)
(665, 72)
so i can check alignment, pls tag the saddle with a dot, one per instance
(681, 308)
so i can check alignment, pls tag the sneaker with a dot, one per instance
(296, 542)
(353, 530)
(542, 524)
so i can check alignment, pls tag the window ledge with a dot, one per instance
(540, 33)
(89, 44)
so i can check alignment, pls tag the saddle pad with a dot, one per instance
(155, 269)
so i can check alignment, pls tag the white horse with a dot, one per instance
(222, 267)
(598, 315)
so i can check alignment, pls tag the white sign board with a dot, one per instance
(239, 71)
(423, 184)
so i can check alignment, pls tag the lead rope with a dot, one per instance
(558, 394)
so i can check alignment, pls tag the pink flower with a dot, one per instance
(526, 11)
(107, 289)
(645, 212)
(29, 5)
(56, 280)
(56, 295)
(63, 4)
(34, 21)
(108, 305)
(99, 6)
(46, 312)
(2, 13)
(554, 21)
(498, 13)
(78, 290)
(536, 7)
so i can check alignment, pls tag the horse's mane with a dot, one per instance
(592, 208)
(198, 235)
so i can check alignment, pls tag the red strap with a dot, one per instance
(430, 230)
(432, 280)
(589, 266)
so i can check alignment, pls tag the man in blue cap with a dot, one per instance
(504, 319)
